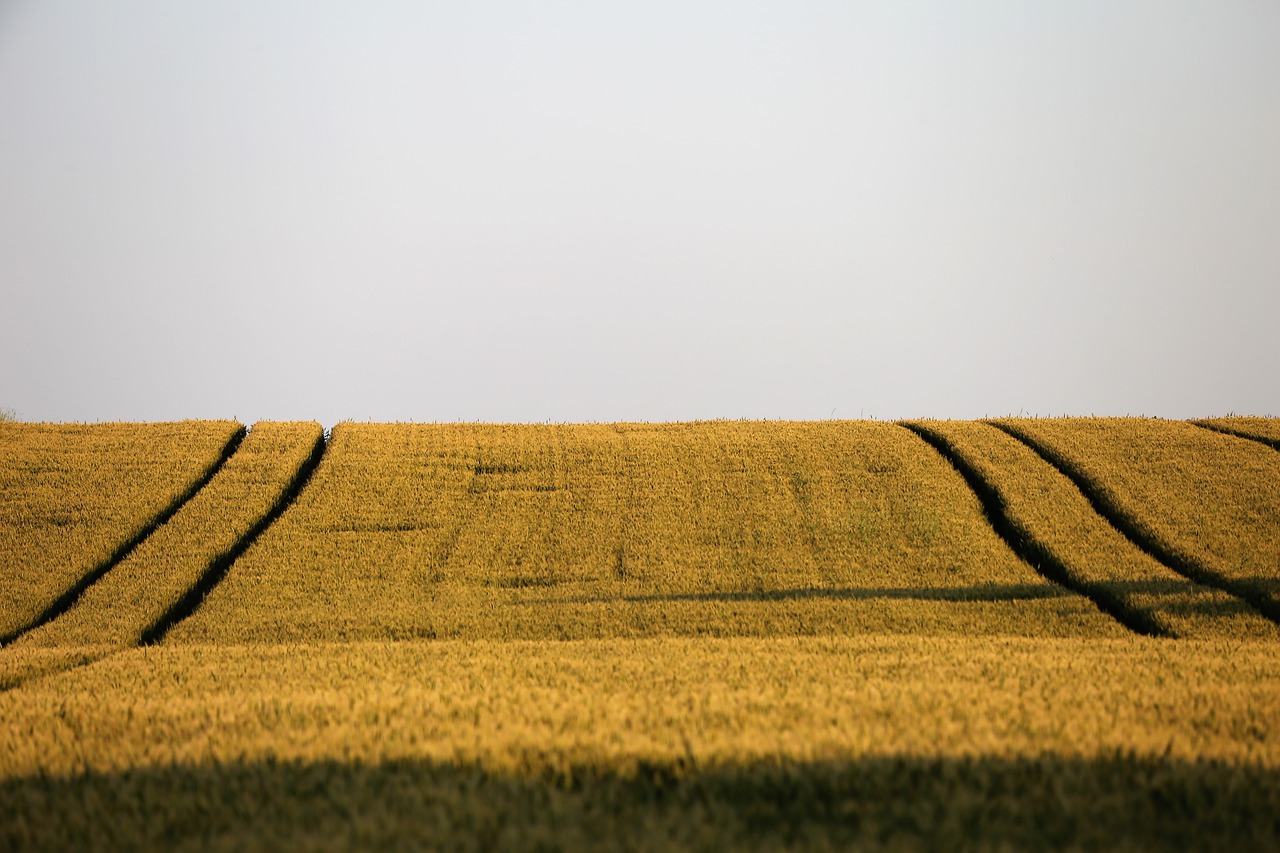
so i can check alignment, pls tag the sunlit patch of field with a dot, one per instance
(637, 636)
(518, 704)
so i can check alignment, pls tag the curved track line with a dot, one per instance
(1274, 444)
(64, 602)
(1029, 548)
(221, 564)
(1188, 567)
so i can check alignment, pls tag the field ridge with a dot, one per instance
(67, 599)
(221, 564)
(1183, 564)
(1028, 547)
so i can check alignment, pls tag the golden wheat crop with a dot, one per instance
(618, 656)
(721, 528)
(129, 599)
(718, 728)
(623, 701)
(19, 664)
(1045, 506)
(1266, 430)
(71, 495)
(1212, 502)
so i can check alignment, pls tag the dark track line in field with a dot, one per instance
(221, 564)
(1274, 444)
(1186, 566)
(1030, 549)
(38, 676)
(957, 594)
(64, 602)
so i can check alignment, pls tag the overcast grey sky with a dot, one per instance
(585, 211)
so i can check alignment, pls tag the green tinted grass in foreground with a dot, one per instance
(1120, 802)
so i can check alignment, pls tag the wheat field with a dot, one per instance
(72, 496)
(1206, 502)
(1016, 634)
(567, 532)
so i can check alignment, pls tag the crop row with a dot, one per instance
(622, 701)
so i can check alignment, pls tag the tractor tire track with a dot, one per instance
(67, 599)
(1030, 549)
(1274, 444)
(221, 564)
(1183, 564)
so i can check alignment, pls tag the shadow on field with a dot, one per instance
(1182, 597)
(1036, 803)
(979, 592)
(1171, 588)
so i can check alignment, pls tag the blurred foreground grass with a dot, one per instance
(635, 744)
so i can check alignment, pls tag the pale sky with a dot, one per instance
(587, 211)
